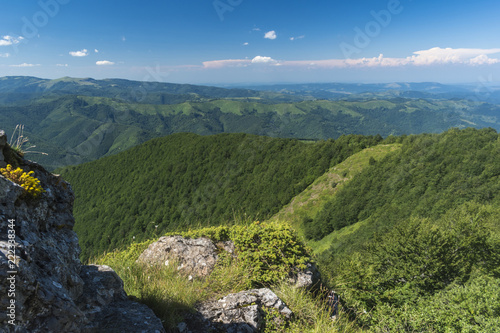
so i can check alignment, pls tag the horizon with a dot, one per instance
(237, 42)
(491, 84)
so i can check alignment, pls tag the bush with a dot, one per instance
(474, 307)
(269, 250)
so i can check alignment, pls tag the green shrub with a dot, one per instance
(270, 251)
(473, 307)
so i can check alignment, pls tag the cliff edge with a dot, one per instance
(44, 287)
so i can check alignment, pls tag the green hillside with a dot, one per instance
(405, 230)
(414, 238)
(432, 174)
(77, 129)
(184, 180)
(305, 206)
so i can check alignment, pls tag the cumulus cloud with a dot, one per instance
(96, 50)
(9, 40)
(483, 59)
(245, 44)
(432, 57)
(271, 35)
(81, 53)
(263, 60)
(104, 63)
(439, 55)
(25, 65)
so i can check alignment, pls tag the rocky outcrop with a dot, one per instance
(307, 279)
(42, 282)
(241, 312)
(107, 307)
(196, 257)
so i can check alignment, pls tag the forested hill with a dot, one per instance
(184, 180)
(77, 129)
(408, 236)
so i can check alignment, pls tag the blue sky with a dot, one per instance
(253, 41)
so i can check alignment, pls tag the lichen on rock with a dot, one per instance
(240, 312)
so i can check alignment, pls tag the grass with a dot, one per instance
(171, 294)
(311, 313)
(312, 200)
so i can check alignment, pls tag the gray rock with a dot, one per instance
(53, 291)
(240, 312)
(107, 307)
(193, 256)
(307, 278)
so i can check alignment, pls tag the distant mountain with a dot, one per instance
(15, 89)
(76, 129)
(356, 91)
(80, 120)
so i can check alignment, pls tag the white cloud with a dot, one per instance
(81, 53)
(96, 50)
(263, 60)
(104, 63)
(226, 63)
(483, 59)
(271, 35)
(432, 57)
(62, 65)
(9, 40)
(124, 39)
(245, 44)
(295, 38)
(4, 55)
(25, 65)
(439, 55)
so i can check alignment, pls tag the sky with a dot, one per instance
(253, 41)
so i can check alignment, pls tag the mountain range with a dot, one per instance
(80, 120)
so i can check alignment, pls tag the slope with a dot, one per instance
(184, 180)
(305, 206)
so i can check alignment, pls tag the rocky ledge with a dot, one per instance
(43, 284)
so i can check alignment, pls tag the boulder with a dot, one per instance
(107, 307)
(195, 257)
(241, 312)
(307, 278)
(41, 276)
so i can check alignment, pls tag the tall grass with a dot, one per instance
(170, 294)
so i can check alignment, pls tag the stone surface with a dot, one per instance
(240, 312)
(107, 307)
(53, 291)
(307, 278)
(193, 256)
